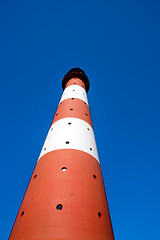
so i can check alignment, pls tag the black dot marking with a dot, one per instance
(51, 129)
(44, 148)
(72, 98)
(69, 123)
(73, 90)
(88, 129)
(94, 176)
(59, 207)
(35, 176)
(86, 114)
(67, 142)
(91, 149)
(56, 114)
(71, 109)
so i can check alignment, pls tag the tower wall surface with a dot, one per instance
(66, 199)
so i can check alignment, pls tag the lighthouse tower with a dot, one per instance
(66, 199)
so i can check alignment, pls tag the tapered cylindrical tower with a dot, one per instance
(66, 199)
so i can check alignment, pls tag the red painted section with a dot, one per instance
(80, 190)
(73, 107)
(75, 81)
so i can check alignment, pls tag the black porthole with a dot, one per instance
(22, 213)
(90, 149)
(86, 114)
(88, 129)
(72, 98)
(99, 214)
(59, 207)
(71, 109)
(67, 142)
(64, 169)
(94, 176)
(35, 176)
(69, 123)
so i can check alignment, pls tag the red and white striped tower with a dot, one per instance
(65, 199)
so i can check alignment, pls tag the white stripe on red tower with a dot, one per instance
(66, 197)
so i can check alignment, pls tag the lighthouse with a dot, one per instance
(65, 198)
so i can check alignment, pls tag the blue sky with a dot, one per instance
(117, 44)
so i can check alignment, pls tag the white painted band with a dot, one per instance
(71, 133)
(74, 91)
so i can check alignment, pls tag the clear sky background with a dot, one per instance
(117, 44)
